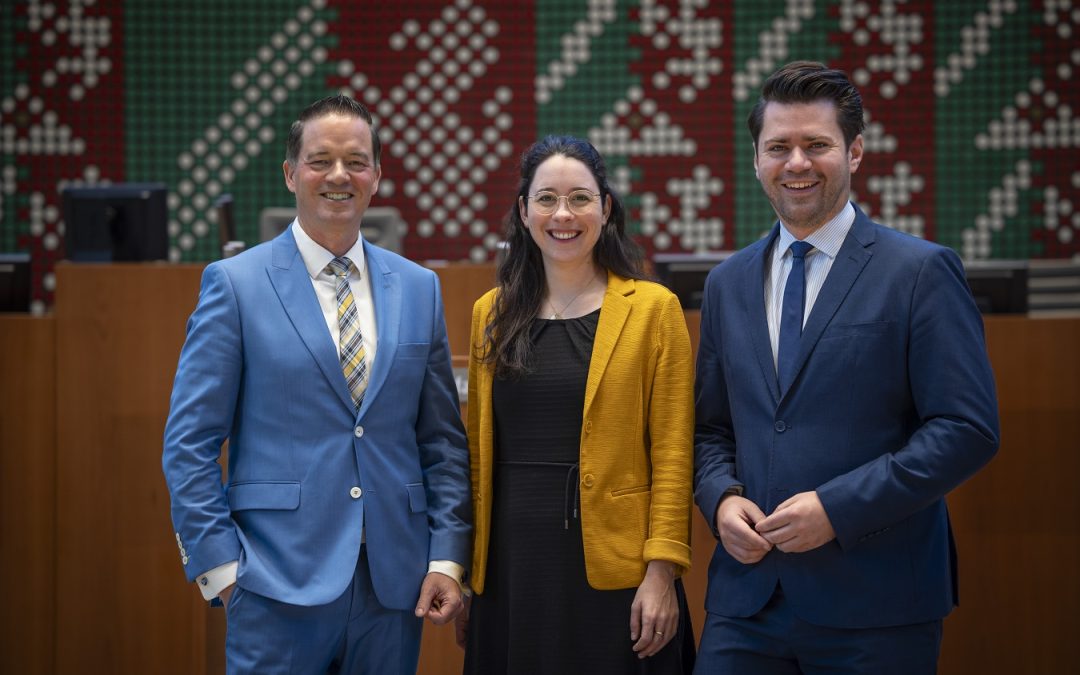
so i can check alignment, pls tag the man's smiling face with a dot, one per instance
(335, 174)
(803, 165)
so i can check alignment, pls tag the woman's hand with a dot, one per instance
(654, 616)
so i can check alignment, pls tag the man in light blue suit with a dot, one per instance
(345, 517)
(843, 388)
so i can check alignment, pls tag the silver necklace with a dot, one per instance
(558, 314)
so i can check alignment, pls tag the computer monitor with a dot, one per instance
(684, 273)
(999, 286)
(14, 282)
(273, 220)
(116, 223)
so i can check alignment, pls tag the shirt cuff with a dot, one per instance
(450, 569)
(212, 583)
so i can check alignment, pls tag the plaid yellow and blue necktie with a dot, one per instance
(350, 341)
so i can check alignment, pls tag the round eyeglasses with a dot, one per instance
(578, 201)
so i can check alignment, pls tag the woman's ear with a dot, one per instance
(522, 212)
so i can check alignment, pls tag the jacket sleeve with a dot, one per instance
(714, 435)
(443, 452)
(952, 388)
(480, 437)
(473, 427)
(204, 398)
(671, 435)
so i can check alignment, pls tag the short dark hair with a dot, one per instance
(331, 105)
(520, 278)
(807, 82)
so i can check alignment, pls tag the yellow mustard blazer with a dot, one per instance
(637, 437)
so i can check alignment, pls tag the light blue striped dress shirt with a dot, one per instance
(826, 241)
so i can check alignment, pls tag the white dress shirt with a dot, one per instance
(316, 258)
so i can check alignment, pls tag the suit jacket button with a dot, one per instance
(587, 480)
(780, 426)
(355, 493)
(588, 427)
(358, 431)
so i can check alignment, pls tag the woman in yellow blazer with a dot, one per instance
(580, 421)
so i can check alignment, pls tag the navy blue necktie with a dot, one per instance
(791, 316)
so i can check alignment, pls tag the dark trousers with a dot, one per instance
(776, 642)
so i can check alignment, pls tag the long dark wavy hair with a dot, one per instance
(521, 282)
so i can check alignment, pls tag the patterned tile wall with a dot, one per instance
(972, 137)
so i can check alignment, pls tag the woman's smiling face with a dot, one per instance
(565, 237)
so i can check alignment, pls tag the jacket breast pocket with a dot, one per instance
(271, 495)
(855, 357)
(864, 329)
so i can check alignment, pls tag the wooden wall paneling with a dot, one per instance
(123, 603)
(439, 653)
(462, 285)
(1017, 522)
(28, 493)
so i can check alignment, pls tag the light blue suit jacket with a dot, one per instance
(892, 406)
(260, 369)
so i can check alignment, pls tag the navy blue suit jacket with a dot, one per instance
(892, 406)
(260, 369)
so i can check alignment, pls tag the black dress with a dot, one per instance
(538, 613)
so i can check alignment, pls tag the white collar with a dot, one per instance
(316, 258)
(828, 238)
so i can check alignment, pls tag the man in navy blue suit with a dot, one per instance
(346, 516)
(843, 388)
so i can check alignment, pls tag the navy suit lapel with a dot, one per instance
(754, 307)
(850, 261)
(386, 294)
(290, 279)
